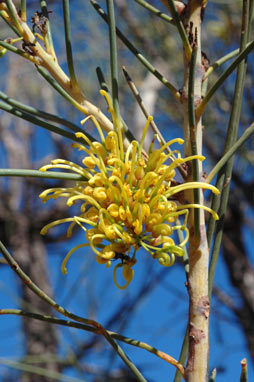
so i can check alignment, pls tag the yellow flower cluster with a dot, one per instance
(126, 199)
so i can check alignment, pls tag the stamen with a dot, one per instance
(63, 266)
(191, 185)
(96, 125)
(149, 120)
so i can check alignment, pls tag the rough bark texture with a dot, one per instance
(196, 369)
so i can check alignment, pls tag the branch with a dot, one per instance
(31, 285)
(127, 340)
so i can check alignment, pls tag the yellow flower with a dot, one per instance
(125, 199)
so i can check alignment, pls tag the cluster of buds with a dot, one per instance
(127, 199)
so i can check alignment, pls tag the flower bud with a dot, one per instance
(89, 162)
(127, 273)
(99, 194)
(162, 229)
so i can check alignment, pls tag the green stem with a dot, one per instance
(246, 135)
(68, 45)
(23, 10)
(40, 174)
(137, 54)
(181, 30)
(38, 113)
(39, 292)
(156, 11)
(13, 14)
(244, 53)
(18, 51)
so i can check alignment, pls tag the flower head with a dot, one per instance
(126, 199)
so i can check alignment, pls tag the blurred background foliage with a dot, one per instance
(154, 307)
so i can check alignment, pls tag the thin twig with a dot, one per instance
(41, 294)
(127, 340)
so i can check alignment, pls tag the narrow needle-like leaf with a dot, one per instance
(246, 135)
(30, 118)
(139, 100)
(38, 113)
(49, 42)
(114, 72)
(67, 31)
(223, 180)
(138, 55)
(222, 61)
(40, 174)
(156, 11)
(181, 30)
(222, 78)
